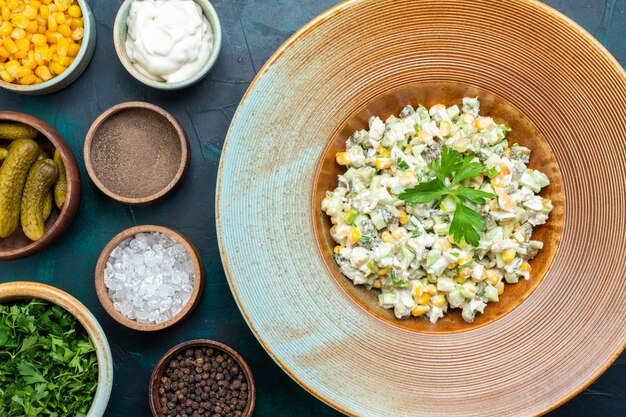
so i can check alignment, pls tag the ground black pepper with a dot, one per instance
(203, 382)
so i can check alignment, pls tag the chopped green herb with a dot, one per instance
(400, 163)
(365, 239)
(397, 281)
(48, 365)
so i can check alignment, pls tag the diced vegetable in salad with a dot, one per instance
(436, 210)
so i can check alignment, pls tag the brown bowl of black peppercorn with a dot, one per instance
(202, 378)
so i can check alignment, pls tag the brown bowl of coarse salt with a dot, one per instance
(136, 153)
(202, 378)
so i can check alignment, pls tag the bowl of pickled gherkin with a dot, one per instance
(39, 185)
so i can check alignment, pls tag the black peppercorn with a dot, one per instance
(202, 382)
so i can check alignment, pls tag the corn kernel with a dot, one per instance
(497, 182)
(6, 28)
(403, 217)
(29, 12)
(78, 33)
(418, 290)
(35, 3)
(444, 128)
(46, 1)
(59, 17)
(6, 14)
(500, 287)
(459, 279)
(383, 271)
(53, 37)
(525, 266)
(337, 248)
(19, 20)
(377, 283)
(492, 276)
(423, 135)
(465, 259)
(438, 300)
(343, 158)
(44, 11)
(73, 50)
(508, 255)
(6, 76)
(483, 123)
(52, 24)
(74, 11)
(383, 163)
(423, 299)
(23, 44)
(18, 33)
(387, 237)
(408, 178)
(63, 46)
(355, 235)
(465, 272)
(399, 233)
(10, 45)
(43, 72)
(430, 289)
(64, 30)
(28, 80)
(65, 60)
(77, 23)
(57, 68)
(382, 151)
(32, 27)
(63, 5)
(23, 71)
(419, 310)
(469, 289)
(39, 40)
(4, 53)
(13, 4)
(30, 60)
(467, 118)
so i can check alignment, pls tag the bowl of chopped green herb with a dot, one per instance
(55, 359)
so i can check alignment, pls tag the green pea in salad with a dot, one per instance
(436, 210)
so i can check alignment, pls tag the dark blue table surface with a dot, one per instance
(252, 31)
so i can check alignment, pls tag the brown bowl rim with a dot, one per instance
(68, 212)
(159, 367)
(103, 293)
(184, 157)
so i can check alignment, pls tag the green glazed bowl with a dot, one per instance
(28, 290)
(120, 31)
(73, 71)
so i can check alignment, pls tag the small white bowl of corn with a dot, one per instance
(45, 45)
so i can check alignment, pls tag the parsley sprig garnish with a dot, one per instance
(450, 170)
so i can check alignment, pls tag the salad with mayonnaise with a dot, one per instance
(436, 210)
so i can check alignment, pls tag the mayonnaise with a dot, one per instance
(168, 40)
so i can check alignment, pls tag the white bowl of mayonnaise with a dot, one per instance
(167, 44)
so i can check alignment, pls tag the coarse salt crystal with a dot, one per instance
(150, 278)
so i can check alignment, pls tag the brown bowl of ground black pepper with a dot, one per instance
(202, 378)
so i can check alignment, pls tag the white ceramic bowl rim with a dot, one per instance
(84, 46)
(119, 38)
(90, 324)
